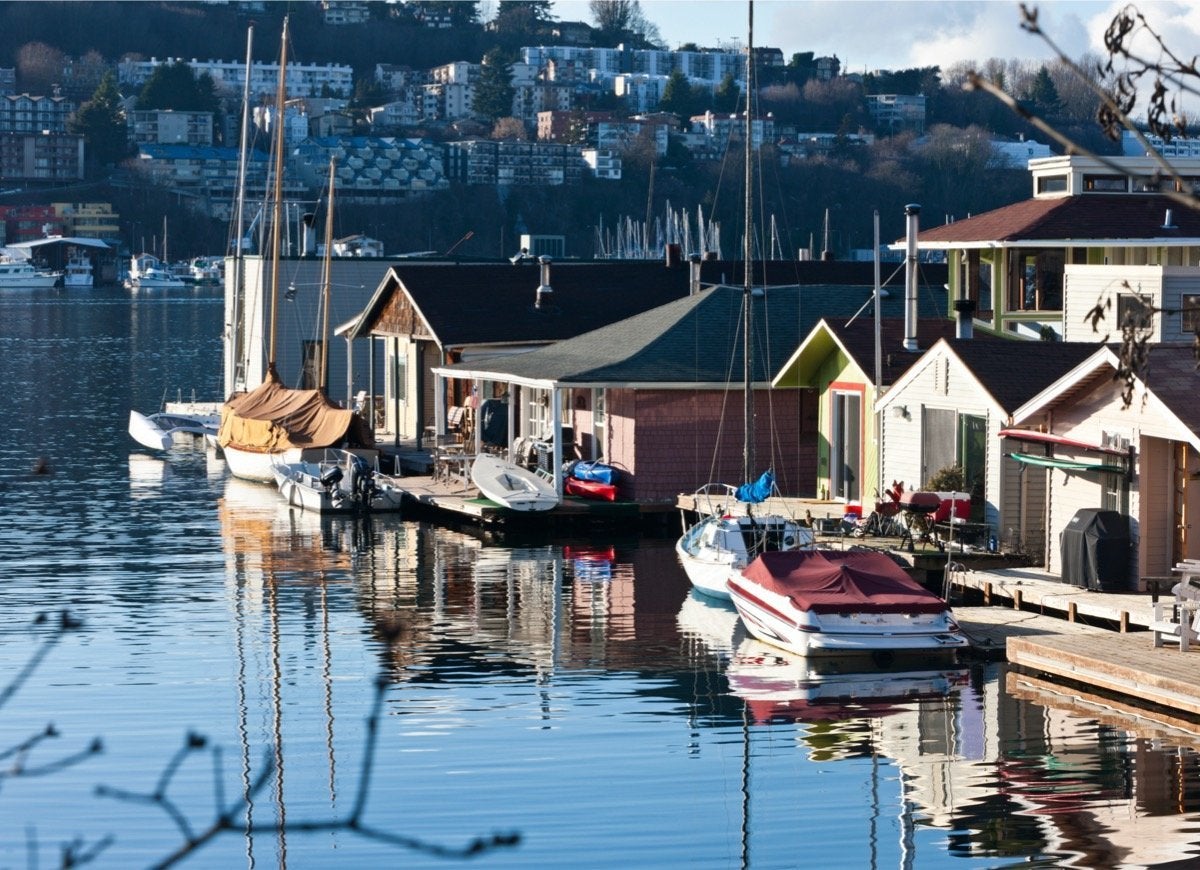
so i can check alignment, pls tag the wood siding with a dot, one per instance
(941, 382)
(669, 442)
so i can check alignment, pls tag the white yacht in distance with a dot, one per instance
(147, 272)
(22, 274)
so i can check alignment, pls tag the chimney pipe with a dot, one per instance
(912, 225)
(544, 291)
(693, 274)
(964, 323)
(309, 243)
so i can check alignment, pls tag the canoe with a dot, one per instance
(511, 485)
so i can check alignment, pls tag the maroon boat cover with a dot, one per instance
(842, 581)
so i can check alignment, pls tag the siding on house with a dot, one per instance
(1023, 508)
(940, 381)
(682, 445)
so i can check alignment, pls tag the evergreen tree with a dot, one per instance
(1043, 94)
(101, 122)
(677, 96)
(725, 98)
(494, 90)
(176, 86)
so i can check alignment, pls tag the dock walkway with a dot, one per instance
(1097, 641)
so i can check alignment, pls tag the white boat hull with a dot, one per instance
(256, 466)
(714, 551)
(333, 485)
(162, 431)
(773, 618)
(511, 485)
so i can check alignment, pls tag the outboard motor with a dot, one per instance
(331, 477)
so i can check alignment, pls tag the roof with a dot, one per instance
(1085, 218)
(1171, 378)
(493, 304)
(77, 241)
(693, 341)
(857, 340)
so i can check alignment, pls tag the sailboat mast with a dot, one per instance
(327, 282)
(277, 214)
(748, 270)
(236, 312)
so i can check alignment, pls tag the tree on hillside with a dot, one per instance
(176, 86)
(101, 122)
(39, 67)
(510, 129)
(1043, 95)
(494, 90)
(623, 21)
(679, 97)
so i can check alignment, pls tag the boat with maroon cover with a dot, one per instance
(835, 602)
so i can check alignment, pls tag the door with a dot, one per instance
(845, 447)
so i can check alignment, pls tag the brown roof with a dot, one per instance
(1171, 375)
(858, 338)
(1087, 217)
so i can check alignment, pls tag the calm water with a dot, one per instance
(571, 692)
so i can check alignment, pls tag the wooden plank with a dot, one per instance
(1126, 664)
(1146, 723)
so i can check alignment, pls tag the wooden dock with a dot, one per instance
(1082, 642)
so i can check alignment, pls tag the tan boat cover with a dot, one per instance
(272, 418)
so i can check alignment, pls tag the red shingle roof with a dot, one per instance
(1088, 217)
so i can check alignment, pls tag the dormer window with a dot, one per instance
(1052, 184)
(1104, 184)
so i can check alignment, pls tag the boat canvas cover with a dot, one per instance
(854, 581)
(272, 418)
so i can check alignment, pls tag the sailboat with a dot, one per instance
(715, 549)
(274, 423)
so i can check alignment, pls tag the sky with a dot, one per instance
(868, 35)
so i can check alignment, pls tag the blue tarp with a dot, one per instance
(596, 471)
(758, 491)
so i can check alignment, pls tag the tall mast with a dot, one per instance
(327, 282)
(277, 213)
(239, 280)
(748, 270)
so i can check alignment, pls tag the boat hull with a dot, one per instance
(310, 486)
(713, 551)
(865, 627)
(258, 466)
(159, 431)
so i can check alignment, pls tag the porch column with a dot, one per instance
(350, 375)
(556, 428)
(512, 421)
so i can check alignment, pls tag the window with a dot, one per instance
(1135, 311)
(1038, 282)
(1104, 183)
(399, 385)
(1190, 314)
(541, 422)
(1052, 184)
(599, 421)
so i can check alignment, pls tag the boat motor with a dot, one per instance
(331, 477)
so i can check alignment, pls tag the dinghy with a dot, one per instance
(511, 485)
(157, 431)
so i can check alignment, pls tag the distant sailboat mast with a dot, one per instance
(277, 204)
(237, 331)
(748, 270)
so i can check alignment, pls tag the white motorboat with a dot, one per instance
(511, 485)
(340, 482)
(159, 431)
(147, 272)
(22, 274)
(78, 272)
(717, 547)
(838, 602)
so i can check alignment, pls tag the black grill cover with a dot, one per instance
(1095, 550)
